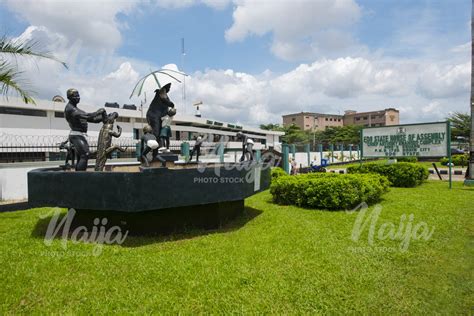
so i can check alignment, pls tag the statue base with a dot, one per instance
(164, 221)
(169, 159)
(469, 182)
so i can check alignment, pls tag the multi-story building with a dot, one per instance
(310, 121)
(320, 121)
(389, 116)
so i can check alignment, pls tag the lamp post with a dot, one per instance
(470, 177)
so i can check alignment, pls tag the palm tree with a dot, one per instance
(10, 76)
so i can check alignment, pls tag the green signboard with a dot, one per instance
(419, 140)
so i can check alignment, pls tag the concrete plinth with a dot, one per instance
(163, 221)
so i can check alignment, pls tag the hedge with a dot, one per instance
(328, 190)
(402, 174)
(457, 160)
(407, 159)
(278, 172)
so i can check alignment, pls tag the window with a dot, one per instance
(293, 119)
(307, 117)
(357, 118)
(326, 118)
(24, 112)
(140, 120)
(364, 118)
(330, 119)
(58, 114)
(123, 119)
(136, 133)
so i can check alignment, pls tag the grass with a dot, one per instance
(277, 259)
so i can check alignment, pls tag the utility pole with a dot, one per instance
(470, 178)
(183, 53)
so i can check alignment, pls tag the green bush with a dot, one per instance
(457, 160)
(402, 174)
(444, 161)
(407, 159)
(278, 172)
(328, 190)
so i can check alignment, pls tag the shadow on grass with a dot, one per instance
(161, 233)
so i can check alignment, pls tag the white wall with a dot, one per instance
(302, 158)
(13, 183)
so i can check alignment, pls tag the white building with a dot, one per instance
(43, 124)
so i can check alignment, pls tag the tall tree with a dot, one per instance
(10, 75)
(461, 125)
(271, 127)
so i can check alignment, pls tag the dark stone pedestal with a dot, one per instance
(163, 221)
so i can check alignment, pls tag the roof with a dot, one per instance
(191, 120)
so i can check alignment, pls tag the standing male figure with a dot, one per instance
(77, 120)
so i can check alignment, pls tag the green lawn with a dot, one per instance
(277, 259)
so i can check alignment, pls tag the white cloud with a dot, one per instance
(444, 82)
(301, 30)
(92, 22)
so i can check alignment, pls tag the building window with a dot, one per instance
(123, 119)
(140, 120)
(307, 117)
(293, 119)
(364, 118)
(136, 133)
(357, 118)
(326, 118)
(24, 112)
(59, 114)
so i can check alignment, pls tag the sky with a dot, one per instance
(252, 61)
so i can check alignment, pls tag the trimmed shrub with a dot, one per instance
(402, 174)
(328, 190)
(457, 160)
(407, 159)
(278, 172)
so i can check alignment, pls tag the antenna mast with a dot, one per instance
(183, 53)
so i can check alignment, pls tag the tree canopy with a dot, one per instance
(460, 125)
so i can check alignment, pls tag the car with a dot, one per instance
(456, 151)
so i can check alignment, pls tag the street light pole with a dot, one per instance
(470, 177)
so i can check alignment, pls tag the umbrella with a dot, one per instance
(139, 86)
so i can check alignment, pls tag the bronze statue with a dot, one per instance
(149, 143)
(165, 132)
(196, 148)
(70, 154)
(104, 144)
(77, 120)
(247, 147)
(159, 107)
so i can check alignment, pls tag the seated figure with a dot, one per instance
(149, 143)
